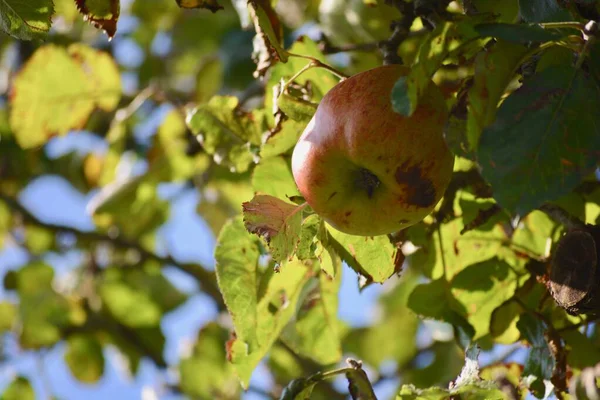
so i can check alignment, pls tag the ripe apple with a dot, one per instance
(366, 169)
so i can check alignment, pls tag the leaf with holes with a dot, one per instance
(226, 132)
(26, 20)
(550, 123)
(276, 221)
(103, 14)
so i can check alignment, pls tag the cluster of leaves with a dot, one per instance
(522, 79)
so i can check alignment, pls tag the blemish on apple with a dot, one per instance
(419, 191)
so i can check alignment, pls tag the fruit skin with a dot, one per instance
(366, 169)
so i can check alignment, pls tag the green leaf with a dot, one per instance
(542, 11)
(372, 257)
(8, 316)
(550, 122)
(206, 371)
(103, 14)
(276, 221)
(129, 306)
(314, 332)
(583, 352)
(534, 232)
(226, 132)
(150, 281)
(481, 288)
(273, 176)
(236, 258)
(307, 247)
(435, 300)
(359, 385)
(503, 323)
(209, 79)
(282, 140)
(26, 20)
(447, 252)
(540, 362)
(298, 389)
(85, 358)
(19, 389)
(45, 103)
(494, 70)
(268, 43)
(438, 44)
(296, 108)
(518, 33)
(274, 310)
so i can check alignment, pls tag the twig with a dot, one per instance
(401, 31)
(562, 217)
(206, 278)
(578, 325)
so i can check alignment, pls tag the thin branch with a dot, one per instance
(562, 217)
(206, 278)
(401, 31)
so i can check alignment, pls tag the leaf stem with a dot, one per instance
(562, 25)
(320, 64)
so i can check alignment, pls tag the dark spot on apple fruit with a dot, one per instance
(419, 191)
(331, 196)
(367, 181)
(348, 213)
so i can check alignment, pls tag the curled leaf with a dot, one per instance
(103, 14)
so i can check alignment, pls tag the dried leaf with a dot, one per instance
(103, 14)
(212, 5)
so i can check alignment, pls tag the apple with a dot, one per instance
(366, 169)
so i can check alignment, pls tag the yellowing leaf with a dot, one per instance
(103, 14)
(56, 91)
(26, 20)
(277, 222)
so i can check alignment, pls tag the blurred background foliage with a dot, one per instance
(100, 154)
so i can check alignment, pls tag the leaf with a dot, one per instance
(307, 247)
(8, 316)
(209, 79)
(435, 300)
(359, 385)
(540, 362)
(206, 371)
(236, 258)
(481, 288)
(542, 11)
(45, 103)
(314, 332)
(583, 352)
(26, 20)
(445, 38)
(103, 14)
(503, 323)
(273, 176)
(103, 72)
(518, 33)
(84, 357)
(277, 222)
(269, 36)
(564, 147)
(297, 109)
(225, 132)
(212, 5)
(19, 389)
(298, 389)
(128, 306)
(274, 310)
(494, 70)
(372, 257)
(283, 140)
